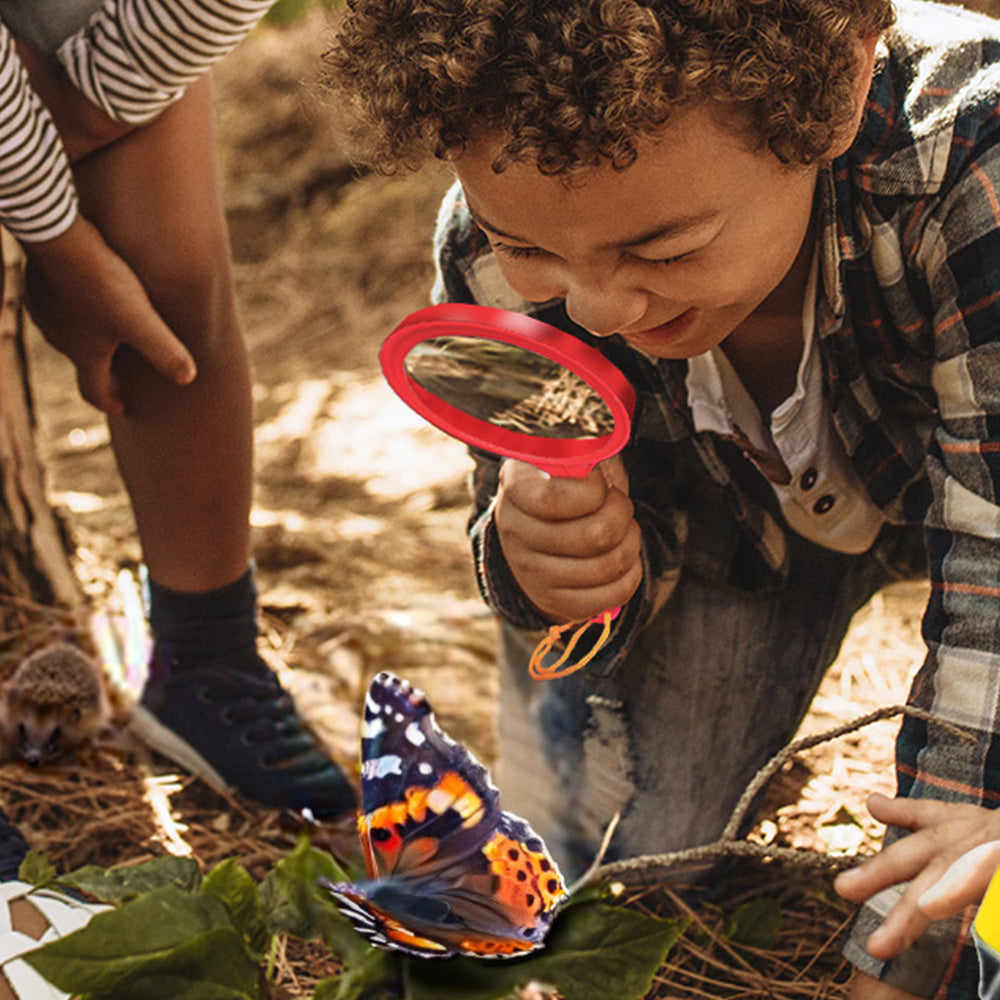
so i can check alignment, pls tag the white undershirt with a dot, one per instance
(800, 452)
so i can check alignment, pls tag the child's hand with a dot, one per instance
(572, 544)
(88, 302)
(950, 858)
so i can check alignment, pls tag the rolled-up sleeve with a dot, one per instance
(38, 199)
(135, 57)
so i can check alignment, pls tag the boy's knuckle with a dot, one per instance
(600, 536)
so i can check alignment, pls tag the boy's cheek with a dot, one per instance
(531, 281)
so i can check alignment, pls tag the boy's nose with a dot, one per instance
(603, 311)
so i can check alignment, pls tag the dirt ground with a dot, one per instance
(360, 507)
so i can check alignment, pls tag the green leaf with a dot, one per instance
(36, 869)
(593, 952)
(295, 904)
(116, 885)
(755, 924)
(233, 884)
(376, 976)
(165, 945)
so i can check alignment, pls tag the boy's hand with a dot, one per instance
(88, 302)
(943, 876)
(572, 544)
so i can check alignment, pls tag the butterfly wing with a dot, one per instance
(449, 871)
(426, 801)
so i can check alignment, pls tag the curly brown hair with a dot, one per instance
(573, 83)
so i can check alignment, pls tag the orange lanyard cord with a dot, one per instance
(536, 667)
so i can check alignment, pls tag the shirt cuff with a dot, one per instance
(943, 956)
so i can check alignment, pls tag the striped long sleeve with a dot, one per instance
(135, 57)
(37, 196)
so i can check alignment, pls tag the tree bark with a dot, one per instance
(34, 560)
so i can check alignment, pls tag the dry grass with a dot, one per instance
(124, 807)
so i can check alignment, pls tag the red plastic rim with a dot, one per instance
(557, 456)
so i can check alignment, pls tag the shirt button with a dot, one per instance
(808, 480)
(823, 504)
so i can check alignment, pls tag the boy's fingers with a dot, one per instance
(552, 498)
(899, 862)
(585, 537)
(963, 883)
(910, 813)
(615, 473)
(579, 605)
(898, 931)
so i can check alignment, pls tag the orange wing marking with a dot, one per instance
(528, 882)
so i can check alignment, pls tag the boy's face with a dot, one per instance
(673, 253)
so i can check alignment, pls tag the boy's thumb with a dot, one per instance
(614, 473)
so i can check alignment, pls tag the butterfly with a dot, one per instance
(449, 872)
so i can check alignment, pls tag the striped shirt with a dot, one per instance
(132, 59)
(908, 326)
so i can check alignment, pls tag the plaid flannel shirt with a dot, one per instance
(908, 325)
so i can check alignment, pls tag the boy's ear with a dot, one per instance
(862, 83)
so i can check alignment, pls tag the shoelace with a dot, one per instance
(268, 720)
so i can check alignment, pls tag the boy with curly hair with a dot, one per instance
(781, 219)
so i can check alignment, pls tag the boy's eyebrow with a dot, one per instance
(675, 227)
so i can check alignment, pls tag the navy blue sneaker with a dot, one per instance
(228, 720)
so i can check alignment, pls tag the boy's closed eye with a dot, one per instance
(526, 253)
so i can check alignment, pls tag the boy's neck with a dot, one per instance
(766, 348)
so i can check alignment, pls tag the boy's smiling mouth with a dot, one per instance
(665, 334)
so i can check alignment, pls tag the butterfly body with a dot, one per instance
(449, 871)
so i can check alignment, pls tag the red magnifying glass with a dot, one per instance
(520, 388)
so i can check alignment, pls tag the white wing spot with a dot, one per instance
(379, 767)
(371, 728)
(414, 734)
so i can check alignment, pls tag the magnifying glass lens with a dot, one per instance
(509, 386)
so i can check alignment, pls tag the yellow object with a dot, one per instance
(986, 936)
(987, 922)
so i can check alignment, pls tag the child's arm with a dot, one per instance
(37, 197)
(948, 860)
(138, 56)
(83, 296)
(573, 545)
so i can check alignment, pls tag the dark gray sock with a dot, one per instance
(195, 626)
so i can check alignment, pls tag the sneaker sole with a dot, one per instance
(165, 741)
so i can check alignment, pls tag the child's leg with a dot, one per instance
(717, 684)
(185, 454)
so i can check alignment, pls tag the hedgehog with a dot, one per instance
(53, 702)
